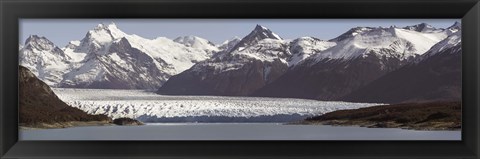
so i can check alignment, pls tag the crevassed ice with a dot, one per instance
(135, 103)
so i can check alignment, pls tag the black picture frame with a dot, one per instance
(12, 10)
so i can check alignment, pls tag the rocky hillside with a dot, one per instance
(439, 115)
(39, 105)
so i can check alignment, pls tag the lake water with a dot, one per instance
(249, 118)
(234, 131)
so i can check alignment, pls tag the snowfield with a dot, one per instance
(150, 107)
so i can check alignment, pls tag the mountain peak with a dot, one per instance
(455, 27)
(34, 38)
(259, 27)
(99, 37)
(423, 24)
(40, 43)
(38, 48)
(264, 33)
(258, 33)
(422, 27)
(108, 29)
(351, 33)
(100, 26)
(104, 26)
(456, 24)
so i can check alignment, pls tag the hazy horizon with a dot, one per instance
(62, 31)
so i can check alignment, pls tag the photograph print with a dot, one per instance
(240, 79)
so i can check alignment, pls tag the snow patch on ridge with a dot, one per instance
(401, 43)
(303, 47)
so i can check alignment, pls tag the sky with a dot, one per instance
(62, 31)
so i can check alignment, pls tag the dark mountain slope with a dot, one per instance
(38, 104)
(329, 79)
(435, 78)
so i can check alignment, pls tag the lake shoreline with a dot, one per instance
(60, 125)
(431, 116)
(444, 126)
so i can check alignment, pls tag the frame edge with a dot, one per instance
(474, 12)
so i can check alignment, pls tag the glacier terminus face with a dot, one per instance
(151, 107)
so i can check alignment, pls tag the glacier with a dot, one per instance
(150, 107)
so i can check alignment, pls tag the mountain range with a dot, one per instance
(359, 57)
(364, 64)
(109, 58)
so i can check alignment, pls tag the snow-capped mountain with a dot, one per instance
(360, 56)
(123, 66)
(179, 56)
(382, 42)
(258, 34)
(110, 58)
(197, 42)
(44, 59)
(455, 39)
(324, 70)
(119, 60)
(259, 58)
(436, 75)
(97, 40)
